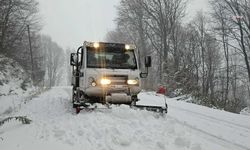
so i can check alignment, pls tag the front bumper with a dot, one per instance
(102, 91)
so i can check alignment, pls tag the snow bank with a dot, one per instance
(56, 126)
(13, 79)
(15, 85)
(245, 111)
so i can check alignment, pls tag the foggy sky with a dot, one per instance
(70, 22)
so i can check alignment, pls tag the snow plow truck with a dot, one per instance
(107, 73)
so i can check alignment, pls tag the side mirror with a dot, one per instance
(148, 61)
(73, 59)
(143, 75)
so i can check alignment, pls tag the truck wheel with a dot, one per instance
(73, 94)
(74, 105)
(134, 99)
(78, 109)
(133, 103)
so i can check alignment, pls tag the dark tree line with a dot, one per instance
(20, 39)
(207, 57)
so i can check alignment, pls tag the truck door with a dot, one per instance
(82, 70)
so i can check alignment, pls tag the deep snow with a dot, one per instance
(15, 85)
(186, 126)
(13, 79)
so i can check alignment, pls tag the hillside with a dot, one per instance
(15, 84)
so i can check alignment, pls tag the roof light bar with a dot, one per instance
(130, 46)
(127, 47)
(96, 45)
(116, 45)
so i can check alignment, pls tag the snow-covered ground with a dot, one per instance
(186, 126)
(245, 111)
(15, 85)
(13, 79)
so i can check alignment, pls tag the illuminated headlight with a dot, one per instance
(105, 81)
(131, 46)
(92, 81)
(96, 45)
(93, 84)
(132, 82)
(127, 47)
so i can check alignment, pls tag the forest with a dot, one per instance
(21, 40)
(206, 57)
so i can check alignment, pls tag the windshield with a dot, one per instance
(111, 58)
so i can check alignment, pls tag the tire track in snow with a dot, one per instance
(227, 123)
(213, 138)
(228, 144)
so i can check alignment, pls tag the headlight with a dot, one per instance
(96, 45)
(132, 82)
(127, 47)
(93, 84)
(105, 81)
(92, 81)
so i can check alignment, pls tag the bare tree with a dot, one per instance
(162, 18)
(15, 15)
(237, 15)
(53, 60)
(221, 26)
(189, 56)
(232, 25)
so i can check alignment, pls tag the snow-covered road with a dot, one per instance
(186, 126)
(231, 131)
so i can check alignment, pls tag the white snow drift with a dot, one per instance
(186, 126)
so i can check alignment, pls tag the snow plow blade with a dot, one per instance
(88, 107)
(157, 109)
(91, 108)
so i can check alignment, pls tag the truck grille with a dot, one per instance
(117, 79)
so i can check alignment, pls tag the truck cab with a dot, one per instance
(106, 73)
